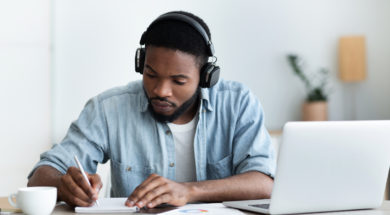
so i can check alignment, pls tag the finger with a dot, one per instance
(149, 189)
(149, 181)
(165, 198)
(146, 187)
(95, 180)
(96, 184)
(140, 190)
(81, 181)
(74, 200)
(153, 194)
(150, 178)
(71, 199)
(73, 188)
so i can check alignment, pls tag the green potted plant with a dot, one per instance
(315, 106)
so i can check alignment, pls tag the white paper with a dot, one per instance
(211, 208)
(108, 205)
(117, 205)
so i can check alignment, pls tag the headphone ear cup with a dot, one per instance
(139, 60)
(209, 75)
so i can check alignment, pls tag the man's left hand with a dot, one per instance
(156, 190)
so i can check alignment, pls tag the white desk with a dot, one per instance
(384, 210)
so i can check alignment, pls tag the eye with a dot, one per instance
(150, 75)
(179, 82)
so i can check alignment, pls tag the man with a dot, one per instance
(178, 136)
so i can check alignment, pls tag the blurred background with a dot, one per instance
(56, 54)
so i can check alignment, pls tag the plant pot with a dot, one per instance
(315, 111)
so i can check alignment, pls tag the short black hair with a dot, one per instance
(178, 35)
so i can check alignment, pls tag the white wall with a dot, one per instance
(24, 89)
(95, 42)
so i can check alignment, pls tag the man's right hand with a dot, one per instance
(75, 190)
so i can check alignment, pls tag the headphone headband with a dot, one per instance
(209, 73)
(186, 19)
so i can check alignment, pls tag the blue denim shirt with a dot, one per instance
(230, 137)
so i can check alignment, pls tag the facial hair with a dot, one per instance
(180, 110)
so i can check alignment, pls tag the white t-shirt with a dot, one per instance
(183, 136)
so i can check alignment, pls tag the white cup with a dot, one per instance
(35, 200)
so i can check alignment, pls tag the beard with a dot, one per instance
(179, 111)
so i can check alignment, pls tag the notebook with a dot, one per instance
(328, 166)
(117, 205)
(107, 205)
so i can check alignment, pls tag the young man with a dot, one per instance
(178, 136)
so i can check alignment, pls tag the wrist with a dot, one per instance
(193, 192)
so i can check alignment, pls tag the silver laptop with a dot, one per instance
(328, 166)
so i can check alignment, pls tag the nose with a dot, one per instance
(163, 89)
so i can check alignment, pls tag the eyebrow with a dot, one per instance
(173, 76)
(149, 67)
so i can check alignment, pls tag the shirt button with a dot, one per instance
(168, 132)
(172, 164)
(128, 168)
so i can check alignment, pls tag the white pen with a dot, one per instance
(83, 172)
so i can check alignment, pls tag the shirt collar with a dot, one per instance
(143, 101)
(205, 97)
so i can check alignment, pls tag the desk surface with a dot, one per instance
(383, 210)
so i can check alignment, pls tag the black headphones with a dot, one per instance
(209, 73)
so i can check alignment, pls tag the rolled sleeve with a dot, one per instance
(253, 150)
(86, 138)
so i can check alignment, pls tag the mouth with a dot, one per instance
(162, 106)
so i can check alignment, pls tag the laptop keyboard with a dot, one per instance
(264, 206)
